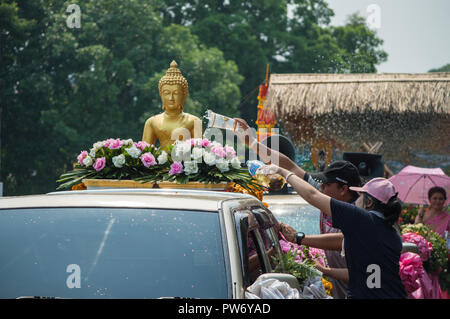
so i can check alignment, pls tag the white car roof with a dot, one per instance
(133, 198)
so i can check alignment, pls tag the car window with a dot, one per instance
(111, 253)
(268, 234)
(255, 264)
(271, 245)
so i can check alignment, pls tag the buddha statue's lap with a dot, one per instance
(173, 123)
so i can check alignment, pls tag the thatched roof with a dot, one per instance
(401, 110)
(324, 93)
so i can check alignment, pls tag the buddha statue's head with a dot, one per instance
(173, 89)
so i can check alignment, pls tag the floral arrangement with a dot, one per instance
(193, 160)
(438, 260)
(299, 261)
(411, 270)
(303, 253)
(289, 263)
(425, 247)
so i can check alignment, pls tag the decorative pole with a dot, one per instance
(266, 119)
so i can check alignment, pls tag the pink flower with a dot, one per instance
(99, 164)
(82, 156)
(115, 144)
(410, 271)
(219, 151)
(206, 142)
(318, 255)
(142, 145)
(425, 247)
(229, 151)
(288, 246)
(107, 142)
(176, 168)
(148, 159)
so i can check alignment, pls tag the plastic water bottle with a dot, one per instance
(253, 166)
(274, 181)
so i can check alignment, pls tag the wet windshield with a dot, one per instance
(111, 253)
(302, 217)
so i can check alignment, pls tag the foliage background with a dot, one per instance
(62, 89)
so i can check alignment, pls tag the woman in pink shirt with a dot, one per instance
(436, 217)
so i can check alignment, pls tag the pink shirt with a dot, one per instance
(440, 223)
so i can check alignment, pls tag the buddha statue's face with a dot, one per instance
(172, 98)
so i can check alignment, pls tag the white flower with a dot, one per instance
(88, 161)
(209, 158)
(190, 167)
(97, 145)
(222, 165)
(236, 163)
(181, 151)
(162, 159)
(127, 142)
(118, 160)
(92, 152)
(197, 141)
(133, 151)
(197, 154)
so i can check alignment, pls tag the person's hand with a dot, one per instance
(243, 131)
(319, 267)
(268, 170)
(242, 124)
(288, 232)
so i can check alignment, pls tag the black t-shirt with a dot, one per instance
(372, 250)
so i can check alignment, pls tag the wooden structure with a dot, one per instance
(402, 111)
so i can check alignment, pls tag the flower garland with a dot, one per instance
(411, 270)
(193, 160)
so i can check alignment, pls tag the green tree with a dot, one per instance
(70, 87)
(256, 32)
(445, 68)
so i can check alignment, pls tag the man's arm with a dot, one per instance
(267, 155)
(308, 192)
(336, 273)
(332, 241)
(325, 241)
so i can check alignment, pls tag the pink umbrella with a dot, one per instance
(412, 183)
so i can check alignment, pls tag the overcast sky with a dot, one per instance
(416, 33)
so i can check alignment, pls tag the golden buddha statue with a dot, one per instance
(173, 124)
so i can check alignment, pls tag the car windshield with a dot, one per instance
(302, 217)
(111, 253)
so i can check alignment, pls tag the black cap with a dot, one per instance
(342, 172)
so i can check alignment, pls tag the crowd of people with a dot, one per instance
(358, 225)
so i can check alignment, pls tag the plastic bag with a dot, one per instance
(271, 289)
(313, 289)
